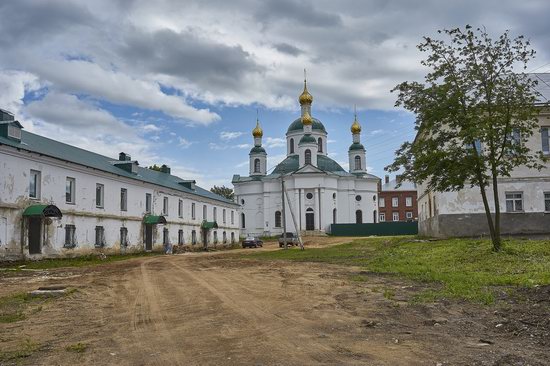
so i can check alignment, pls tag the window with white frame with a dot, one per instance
(123, 199)
(232, 217)
(34, 184)
(204, 212)
(165, 206)
(148, 200)
(180, 208)
(409, 215)
(193, 237)
(545, 135)
(70, 190)
(381, 202)
(408, 201)
(193, 216)
(394, 201)
(70, 237)
(223, 215)
(99, 236)
(99, 195)
(214, 214)
(395, 216)
(546, 201)
(382, 217)
(514, 201)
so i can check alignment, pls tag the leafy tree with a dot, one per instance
(155, 167)
(223, 191)
(474, 115)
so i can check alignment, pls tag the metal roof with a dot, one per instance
(55, 149)
(405, 186)
(298, 126)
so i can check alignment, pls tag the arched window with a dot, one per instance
(292, 146)
(357, 162)
(277, 218)
(243, 225)
(358, 217)
(256, 165)
(232, 238)
(334, 216)
(224, 237)
(320, 144)
(374, 216)
(308, 156)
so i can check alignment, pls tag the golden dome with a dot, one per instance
(257, 131)
(306, 119)
(355, 127)
(305, 97)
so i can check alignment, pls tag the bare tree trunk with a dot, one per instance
(486, 206)
(497, 244)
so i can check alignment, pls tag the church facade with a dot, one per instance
(319, 192)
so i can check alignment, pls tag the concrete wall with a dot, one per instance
(15, 168)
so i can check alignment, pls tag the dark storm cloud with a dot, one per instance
(288, 49)
(188, 56)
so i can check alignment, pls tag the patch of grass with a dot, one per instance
(77, 347)
(465, 268)
(12, 307)
(389, 294)
(25, 349)
(85, 260)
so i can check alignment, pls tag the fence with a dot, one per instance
(380, 229)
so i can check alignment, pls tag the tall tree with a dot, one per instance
(223, 191)
(474, 115)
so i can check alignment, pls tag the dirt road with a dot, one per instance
(201, 309)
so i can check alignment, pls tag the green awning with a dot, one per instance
(209, 225)
(43, 211)
(151, 220)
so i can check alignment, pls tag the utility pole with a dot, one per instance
(283, 211)
(294, 221)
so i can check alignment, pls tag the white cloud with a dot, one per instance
(243, 146)
(376, 132)
(13, 86)
(184, 143)
(271, 142)
(227, 135)
(150, 128)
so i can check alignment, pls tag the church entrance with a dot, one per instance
(310, 219)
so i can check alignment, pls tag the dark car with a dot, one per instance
(252, 242)
(291, 239)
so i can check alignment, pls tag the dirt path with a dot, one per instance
(208, 309)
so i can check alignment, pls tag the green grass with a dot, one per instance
(465, 268)
(85, 260)
(77, 347)
(12, 308)
(25, 349)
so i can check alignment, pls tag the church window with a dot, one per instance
(357, 162)
(358, 198)
(308, 156)
(256, 165)
(334, 196)
(291, 146)
(334, 216)
(277, 218)
(309, 195)
(320, 144)
(358, 217)
(243, 224)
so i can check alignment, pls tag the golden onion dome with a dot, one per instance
(306, 119)
(305, 97)
(257, 131)
(355, 126)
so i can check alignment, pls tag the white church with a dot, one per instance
(320, 192)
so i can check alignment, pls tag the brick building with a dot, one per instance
(397, 203)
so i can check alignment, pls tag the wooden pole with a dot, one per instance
(283, 211)
(294, 221)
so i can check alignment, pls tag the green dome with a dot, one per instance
(356, 146)
(291, 164)
(257, 149)
(297, 126)
(307, 138)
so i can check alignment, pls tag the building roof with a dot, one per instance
(291, 164)
(257, 149)
(298, 126)
(356, 146)
(405, 186)
(55, 149)
(307, 138)
(543, 86)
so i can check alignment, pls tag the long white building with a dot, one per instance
(57, 199)
(320, 191)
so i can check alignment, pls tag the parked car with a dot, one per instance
(252, 242)
(291, 239)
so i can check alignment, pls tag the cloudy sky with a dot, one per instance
(179, 82)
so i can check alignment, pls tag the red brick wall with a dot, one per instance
(402, 208)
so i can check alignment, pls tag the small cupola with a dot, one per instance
(9, 127)
(189, 184)
(126, 163)
(165, 169)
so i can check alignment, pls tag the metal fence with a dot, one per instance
(380, 229)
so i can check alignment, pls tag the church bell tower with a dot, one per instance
(258, 156)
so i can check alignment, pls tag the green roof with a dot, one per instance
(356, 146)
(43, 210)
(298, 126)
(45, 146)
(152, 219)
(291, 164)
(257, 149)
(307, 138)
(209, 225)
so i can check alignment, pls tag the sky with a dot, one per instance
(181, 82)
